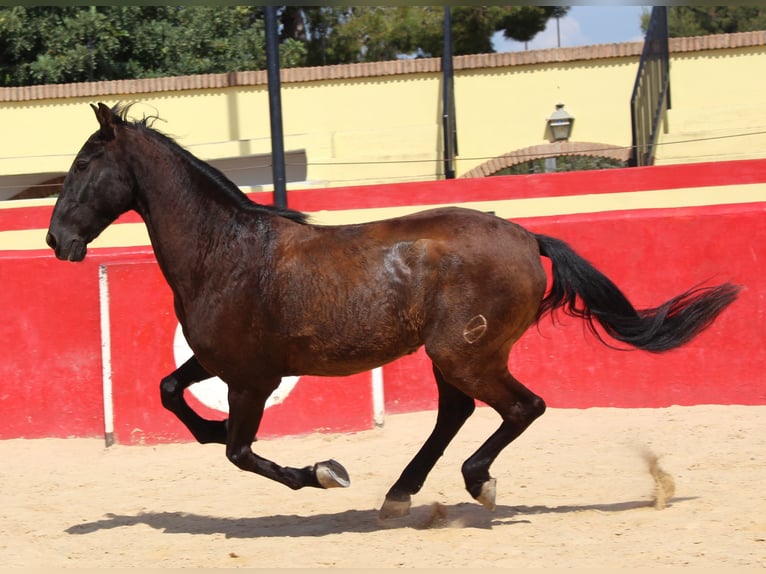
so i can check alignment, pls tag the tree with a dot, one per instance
(72, 44)
(703, 20)
(55, 44)
(372, 33)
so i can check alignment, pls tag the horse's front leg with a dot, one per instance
(245, 413)
(172, 392)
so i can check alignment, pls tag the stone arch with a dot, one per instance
(542, 151)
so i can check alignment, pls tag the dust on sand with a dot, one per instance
(664, 485)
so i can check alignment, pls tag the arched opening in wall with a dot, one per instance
(557, 156)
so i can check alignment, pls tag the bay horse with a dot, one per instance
(261, 293)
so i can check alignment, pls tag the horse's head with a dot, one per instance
(98, 188)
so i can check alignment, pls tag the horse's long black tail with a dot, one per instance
(583, 291)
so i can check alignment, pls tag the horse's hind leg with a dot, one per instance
(172, 393)
(245, 412)
(518, 407)
(454, 409)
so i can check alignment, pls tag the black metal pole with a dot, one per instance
(448, 99)
(275, 107)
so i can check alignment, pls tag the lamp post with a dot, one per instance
(560, 124)
(275, 107)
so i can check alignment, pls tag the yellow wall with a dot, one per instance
(717, 97)
(505, 110)
(388, 128)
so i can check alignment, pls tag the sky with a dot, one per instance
(583, 26)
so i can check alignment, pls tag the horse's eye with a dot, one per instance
(80, 164)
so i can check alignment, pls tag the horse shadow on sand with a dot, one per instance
(461, 515)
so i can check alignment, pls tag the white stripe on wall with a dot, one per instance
(106, 354)
(378, 399)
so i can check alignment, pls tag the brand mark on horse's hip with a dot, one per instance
(475, 329)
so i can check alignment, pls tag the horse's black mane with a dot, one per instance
(227, 186)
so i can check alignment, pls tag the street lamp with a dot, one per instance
(560, 124)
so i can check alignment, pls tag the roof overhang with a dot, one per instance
(247, 171)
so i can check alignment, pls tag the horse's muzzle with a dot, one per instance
(74, 250)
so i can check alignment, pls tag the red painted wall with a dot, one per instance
(653, 256)
(50, 372)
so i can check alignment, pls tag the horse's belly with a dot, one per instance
(322, 358)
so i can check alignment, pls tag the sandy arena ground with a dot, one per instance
(574, 491)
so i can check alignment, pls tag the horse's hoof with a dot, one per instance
(487, 494)
(331, 474)
(394, 508)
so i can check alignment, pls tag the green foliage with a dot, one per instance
(374, 33)
(562, 163)
(72, 44)
(703, 20)
(56, 44)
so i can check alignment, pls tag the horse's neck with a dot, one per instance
(187, 218)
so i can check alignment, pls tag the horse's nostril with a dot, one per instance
(50, 240)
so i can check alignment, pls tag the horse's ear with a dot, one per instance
(106, 120)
